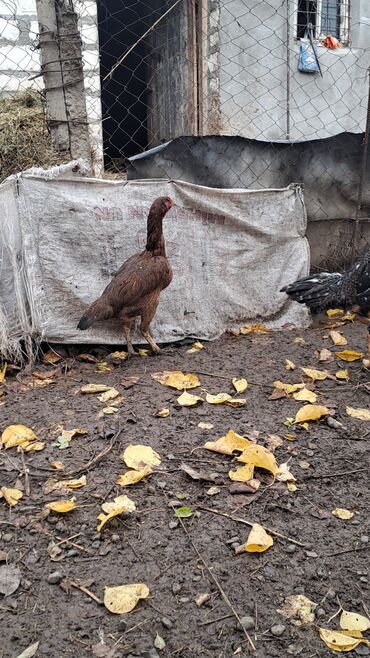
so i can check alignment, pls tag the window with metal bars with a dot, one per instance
(326, 17)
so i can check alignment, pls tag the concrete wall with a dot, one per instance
(19, 57)
(250, 64)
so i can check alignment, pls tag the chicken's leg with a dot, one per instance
(127, 331)
(145, 333)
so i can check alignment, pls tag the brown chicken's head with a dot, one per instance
(161, 205)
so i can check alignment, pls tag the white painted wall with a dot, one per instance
(20, 61)
(250, 76)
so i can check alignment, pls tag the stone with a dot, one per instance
(167, 623)
(320, 612)
(115, 538)
(277, 630)
(291, 548)
(364, 539)
(7, 537)
(176, 588)
(247, 622)
(173, 524)
(55, 577)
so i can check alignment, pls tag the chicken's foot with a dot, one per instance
(151, 342)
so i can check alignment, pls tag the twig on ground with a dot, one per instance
(214, 621)
(218, 585)
(250, 524)
(83, 589)
(347, 550)
(103, 453)
(333, 475)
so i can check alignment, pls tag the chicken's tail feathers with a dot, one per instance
(318, 291)
(97, 311)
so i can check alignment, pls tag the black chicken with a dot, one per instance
(334, 290)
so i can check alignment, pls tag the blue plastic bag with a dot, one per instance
(307, 62)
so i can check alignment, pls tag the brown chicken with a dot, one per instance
(136, 287)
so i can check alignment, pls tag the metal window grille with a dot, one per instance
(326, 17)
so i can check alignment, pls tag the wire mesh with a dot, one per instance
(186, 70)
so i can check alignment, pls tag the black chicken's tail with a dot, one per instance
(99, 310)
(319, 291)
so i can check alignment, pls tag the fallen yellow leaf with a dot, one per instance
(310, 412)
(196, 347)
(258, 541)
(315, 374)
(107, 411)
(119, 356)
(110, 394)
(257, 328)
(240, 385)
(236, 402)
(227, 444)
(349, 355)
(291, 486)
(334, 312)
(343, 514)
(142, 351)
(75, 484)
(349, 317)
(305, 395)
(121, 505)
(342, 374)
(361, 414)
(124, 598)
(62, 506)
(17, 435)
(94, 388)
(288, 388)
(298, 605)
(337, 338)
(137, 456)
(326, 355)
(132, 477)
(340, 642)
(351, 621)
(58, 465)
(299, 341)
(103, 366)
(220, 398)
(35, 446)
(242, 473)
(12, 496)
(289, 365)
(181, 381)
(162, 413)
(284, 474)
(188, 400)
(260, 457)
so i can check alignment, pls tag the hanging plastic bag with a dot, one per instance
(308, 60)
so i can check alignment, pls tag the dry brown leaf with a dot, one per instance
(284, 474)
(300, 606)
(326, 355)
(51, 357)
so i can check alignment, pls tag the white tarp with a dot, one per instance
(231, 252)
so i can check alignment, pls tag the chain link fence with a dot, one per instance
(116, 79)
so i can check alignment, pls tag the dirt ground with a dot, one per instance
(321, 556)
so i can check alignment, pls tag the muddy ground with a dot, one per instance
(329, 563)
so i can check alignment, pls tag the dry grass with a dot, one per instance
(24, 139)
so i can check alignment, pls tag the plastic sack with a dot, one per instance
(307, 62)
